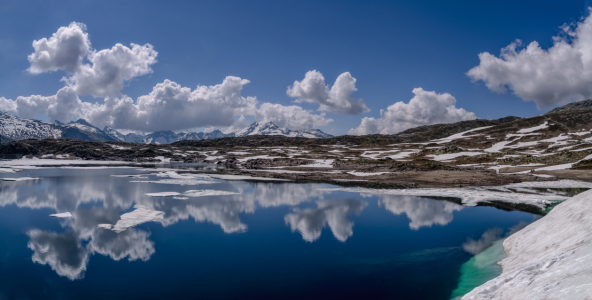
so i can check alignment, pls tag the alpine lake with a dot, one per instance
(230, 238)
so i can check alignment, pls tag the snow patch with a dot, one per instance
(531, 129)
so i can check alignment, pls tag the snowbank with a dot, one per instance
(549, 259)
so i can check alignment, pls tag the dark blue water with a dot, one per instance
(273, 241)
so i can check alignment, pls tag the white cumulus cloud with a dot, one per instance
(171, 106)
(426, 107)
(105, 73)
(64, 50)
(554, 76)
(293, 117)
(109, 69)
(62, 106)
(336, 99)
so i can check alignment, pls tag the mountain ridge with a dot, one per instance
(15, 128)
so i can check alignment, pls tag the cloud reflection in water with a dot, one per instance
(422, 212)
(310, 222)
(94, 202)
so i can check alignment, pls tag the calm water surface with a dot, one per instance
(274, 240)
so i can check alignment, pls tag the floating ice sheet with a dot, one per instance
(131, 176)
(176, 181)
(140, 215)
(469, 196)
(203, 193)
(163, 194)
(19, 178)
(62, 215)
(242, 177)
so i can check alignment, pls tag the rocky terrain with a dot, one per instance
(553, 146)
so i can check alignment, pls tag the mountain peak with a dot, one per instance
(81, 121)
(270, 128)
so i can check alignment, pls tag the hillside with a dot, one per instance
(480, 153)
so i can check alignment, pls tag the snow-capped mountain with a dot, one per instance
(83, 125)
(162, 137)
(20, 129)
(196, 136)
(270, 128)
(134, 138)
(16, 128)
(114, 134)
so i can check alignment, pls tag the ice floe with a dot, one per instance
(175, 181)
(242, 177)
(557, 184)
(469, 196)
(203, 193)
(163, 194)
(140, 215)
(178, 179)
(62, 215)
(20, 163)
(131, 176)
(19, 178)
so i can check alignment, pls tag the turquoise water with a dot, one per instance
(480, 269)
(271, 240)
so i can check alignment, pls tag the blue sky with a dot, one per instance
(389, 47)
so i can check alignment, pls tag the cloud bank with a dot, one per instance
(173, 107)
(169, 106)
(424, 108)
(554, 76)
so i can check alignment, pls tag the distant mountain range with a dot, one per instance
(15, 128)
